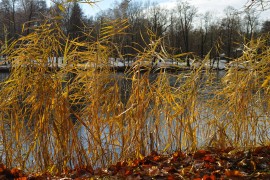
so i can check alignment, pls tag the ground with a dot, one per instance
(209, 164)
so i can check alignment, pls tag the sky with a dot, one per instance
(214, 6)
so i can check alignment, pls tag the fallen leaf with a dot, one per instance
(170, 177)
(228, 149)
(121, 164)
(98, 171)
(186, 170)
(261, 150)
(154, 171)
(2, 168)
(128, 172)
(233, 173)
(135, 163)
(16, 172)
(154, 153)
(208, 166)
(209, 158)
(169, 169)
(207, 177)
(156, 158)
(21, 178)
(146, 166)
(200, 154)
(178, 154)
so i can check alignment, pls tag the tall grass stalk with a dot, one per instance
(55, 114)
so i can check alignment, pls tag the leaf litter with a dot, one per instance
(210, 164)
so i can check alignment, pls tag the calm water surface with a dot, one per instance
(125, 85)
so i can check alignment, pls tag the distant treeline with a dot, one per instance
(183, 28)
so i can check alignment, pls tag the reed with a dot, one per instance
(56, 115)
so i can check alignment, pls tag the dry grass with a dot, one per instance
(52, 118)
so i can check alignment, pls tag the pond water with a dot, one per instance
(3, 75)
(166, 130)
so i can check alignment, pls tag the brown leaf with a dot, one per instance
(208, 166)
(234, 173)
(98, 171)
(156, 158)
(146, 166)
(216, 173)
(200, 154)
(261, 150)
(154, 171)
(178, 154)
(21, 178)
(121, 164)
(154, 153)
(2, 168)
(128, 172)
(89, 169)
(207, 177)
(169, 169)
(186, 170)
(16, 172)
(66, 170)
(228, 149)
(136, 162)
(209, 158)
(170, 177)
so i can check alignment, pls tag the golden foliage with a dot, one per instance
(63, 105)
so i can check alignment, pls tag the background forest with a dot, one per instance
(184, 29)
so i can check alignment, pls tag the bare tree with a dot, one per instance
(230, 30)
(30, 11)
(251, 22)
(62, 9)
(8, 8)
(158, 21)
(137, 27)
(172, 34)
(185, 14)
(266, 27)
(204, 27)
(258, 4)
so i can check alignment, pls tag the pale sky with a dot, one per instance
(214, 6)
